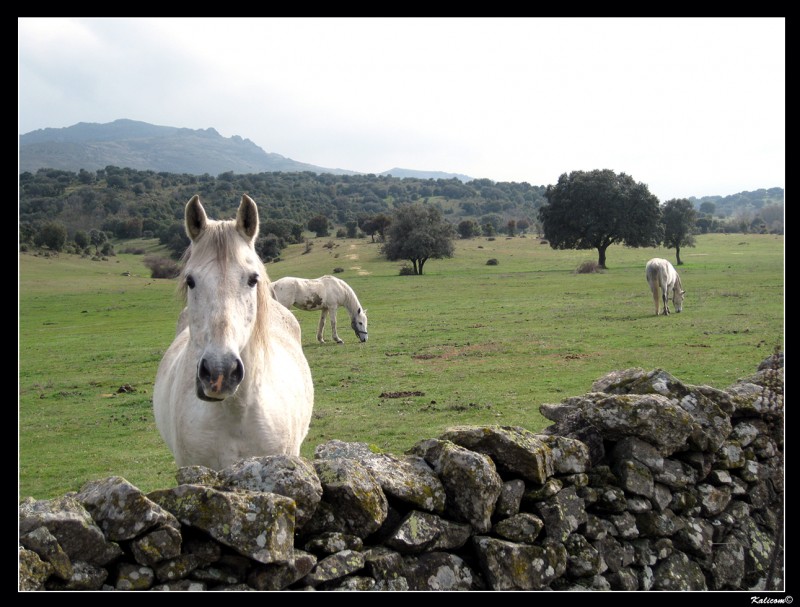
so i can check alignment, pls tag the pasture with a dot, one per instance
(466, 343)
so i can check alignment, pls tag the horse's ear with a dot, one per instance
(196, 218)
(247, 218)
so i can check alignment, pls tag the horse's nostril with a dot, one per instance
(237, 375)
(203, 372)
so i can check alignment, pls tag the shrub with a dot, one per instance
(338, 270)
(588, 267)
(407, 271)
(133, 250)
(492, 262)
(161, 267)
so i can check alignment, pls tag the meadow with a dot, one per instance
(465, 343)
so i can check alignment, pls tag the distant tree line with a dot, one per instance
(83, 211)
(127, 203)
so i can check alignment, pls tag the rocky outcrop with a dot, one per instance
(644, 483)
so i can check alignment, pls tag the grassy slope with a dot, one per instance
(484, 344)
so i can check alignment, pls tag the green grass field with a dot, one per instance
(470, 344)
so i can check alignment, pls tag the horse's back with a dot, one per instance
(284, 290)
(658, 270)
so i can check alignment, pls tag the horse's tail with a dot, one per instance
(653, 274)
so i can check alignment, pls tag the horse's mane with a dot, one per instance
(351, 301)
(220, 243)
(678, 284)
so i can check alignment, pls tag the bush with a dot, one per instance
(492, 262)
(588, 267)
(133, 251)
(338, 270)
(161, 267)
(407, 271)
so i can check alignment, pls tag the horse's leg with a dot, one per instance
(335, 335)
(654, 290)
(665, 301)
(321, 326)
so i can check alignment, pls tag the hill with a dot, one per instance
(402, 173)
(142, 146)
(148, 147)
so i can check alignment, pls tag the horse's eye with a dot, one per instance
(190, 282)
(253, 280)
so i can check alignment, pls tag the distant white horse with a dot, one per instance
(235, 382)
(326, 293)
(662, 275)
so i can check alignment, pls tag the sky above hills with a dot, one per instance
(689, 106)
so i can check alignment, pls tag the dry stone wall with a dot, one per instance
(644, 483)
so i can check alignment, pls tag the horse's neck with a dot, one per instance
(677, 285)
(351, 301)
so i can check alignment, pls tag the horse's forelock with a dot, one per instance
(220, 243)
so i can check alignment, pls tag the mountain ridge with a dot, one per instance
(134, 144)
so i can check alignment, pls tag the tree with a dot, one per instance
(81, 239)
(376, 224)
(679, 218)
(708, 207)
(468, 228)
(97, 238)
(595, 209)
(269, 247)
(174, 238)
(52, 235)
(418, 233)
(773, 217)
(319, 225)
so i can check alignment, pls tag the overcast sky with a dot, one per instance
(691, 107)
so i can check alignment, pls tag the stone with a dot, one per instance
(470, 479)
(407, 478)
(255, 524)
(287, 475)
(512, 566)
(121, 510)
(513, 449)
(352, 501)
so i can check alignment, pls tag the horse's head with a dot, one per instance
(221, 279)
(359, 324)
(677, 298)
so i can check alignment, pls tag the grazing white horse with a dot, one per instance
(235, 382)
(662, 275)
(326, 293)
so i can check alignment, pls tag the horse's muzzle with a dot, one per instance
(218, 378)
